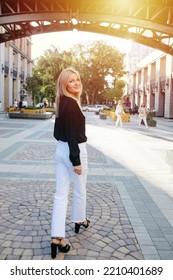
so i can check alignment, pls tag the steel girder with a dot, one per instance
(148, 22)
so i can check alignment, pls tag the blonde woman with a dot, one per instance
(119, 111)
(143, 115)
(70, 159)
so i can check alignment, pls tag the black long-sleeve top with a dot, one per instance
(70, 127)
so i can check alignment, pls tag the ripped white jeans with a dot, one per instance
(144, 120)
(64, 174)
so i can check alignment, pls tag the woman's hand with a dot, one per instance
(78, 169)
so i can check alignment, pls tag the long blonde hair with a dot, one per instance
(62, 82)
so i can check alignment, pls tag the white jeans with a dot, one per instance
(119, 120)
(144, 120)
(64, 174)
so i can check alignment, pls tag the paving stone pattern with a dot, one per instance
(25, 224)
(129, 207)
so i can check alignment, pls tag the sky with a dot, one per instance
(65, 40)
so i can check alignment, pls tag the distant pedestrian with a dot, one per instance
(24, 103)
(135, 109)
(20, 104)
(15, 103)
(119, 111)
(143, 115)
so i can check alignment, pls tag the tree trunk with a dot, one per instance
(93, 97)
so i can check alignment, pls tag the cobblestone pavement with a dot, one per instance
(129, 191)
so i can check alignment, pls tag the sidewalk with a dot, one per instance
(129, 191)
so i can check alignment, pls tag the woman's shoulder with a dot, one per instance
(68, 99)
(69, 103)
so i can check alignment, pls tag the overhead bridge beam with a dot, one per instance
(148, 22)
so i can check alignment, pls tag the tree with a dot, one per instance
(99, 65)
(119, 89)
(33, 86)
(49, 92)
(115, 93)
(52, 62)
(48, 67)
(108, 94)
(98, 61)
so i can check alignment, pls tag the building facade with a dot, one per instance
(16, 66)
(151, 82)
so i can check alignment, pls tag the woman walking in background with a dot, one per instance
(119, 111)
(70, 159)
(143, 115)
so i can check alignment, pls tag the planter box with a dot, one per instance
(30, 111)
(42, 110)
(18, 115)
(50, 109)
(102, 116)
(112, 115)
(107, 112)
(12, 109)
(125, 117)
(151, 123)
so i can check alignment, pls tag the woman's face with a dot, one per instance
(74, 84)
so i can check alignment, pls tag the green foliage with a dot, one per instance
(149, 116)
(100, 62)
(33, 86)
(100, 66)
(119, 88)
(31, 108)
(108, 94)
(114, 93)
(49, 92)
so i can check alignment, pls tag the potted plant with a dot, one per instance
(150, 120)
(50, 109)
(112, 114)
(30, 110)
(125, 117)
(107, 111)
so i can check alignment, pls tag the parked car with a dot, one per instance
(93, 108)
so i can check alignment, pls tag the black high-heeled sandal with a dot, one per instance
(85, 224)
(61, 248)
